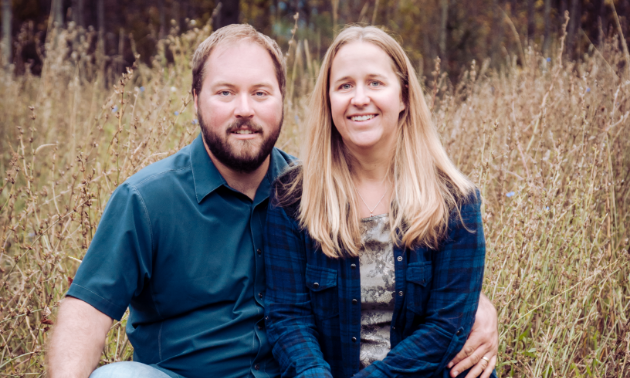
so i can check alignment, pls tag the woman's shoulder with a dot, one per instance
(289, 175)
(286, 190)
(469, 202)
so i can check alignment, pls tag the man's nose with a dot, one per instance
(244, 107)
(360, 97)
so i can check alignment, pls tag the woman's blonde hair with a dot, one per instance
(427, 185)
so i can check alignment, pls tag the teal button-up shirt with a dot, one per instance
(184, 251)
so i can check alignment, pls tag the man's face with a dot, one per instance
(240, 105)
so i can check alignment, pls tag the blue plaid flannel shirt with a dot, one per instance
(314, 325)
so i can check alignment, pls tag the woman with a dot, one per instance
(374, 246)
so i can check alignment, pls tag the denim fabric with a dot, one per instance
(128, 369)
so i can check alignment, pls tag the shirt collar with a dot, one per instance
(207, 178)
(205, 174)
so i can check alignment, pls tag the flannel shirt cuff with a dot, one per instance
(316, 372)
(371, 371)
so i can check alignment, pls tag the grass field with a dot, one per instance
(546, 140)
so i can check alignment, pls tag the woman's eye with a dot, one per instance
(345, 86)
(375, 84)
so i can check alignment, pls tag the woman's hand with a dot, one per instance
(482, 342)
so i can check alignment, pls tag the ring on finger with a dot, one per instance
(485, 358)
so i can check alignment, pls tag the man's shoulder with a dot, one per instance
(288, 158)
(165, 170)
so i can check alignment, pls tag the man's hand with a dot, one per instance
(483, 342)
(77, 341)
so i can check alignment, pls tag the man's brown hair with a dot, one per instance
(235, 33)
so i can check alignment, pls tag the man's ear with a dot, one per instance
(195, 101)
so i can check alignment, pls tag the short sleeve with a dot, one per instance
(119, 258)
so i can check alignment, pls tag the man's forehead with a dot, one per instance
(242, 59)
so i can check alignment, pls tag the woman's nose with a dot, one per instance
(360, 97)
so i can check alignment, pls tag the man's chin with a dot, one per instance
(240, 157)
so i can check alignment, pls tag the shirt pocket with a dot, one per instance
(419, 283)
(322, 284)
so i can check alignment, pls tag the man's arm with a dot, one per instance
(77, 341)
(482, 342)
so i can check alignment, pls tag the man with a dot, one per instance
(180, 241)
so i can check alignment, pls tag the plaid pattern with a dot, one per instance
(313, 309)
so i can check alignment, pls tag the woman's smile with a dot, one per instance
(362, 118)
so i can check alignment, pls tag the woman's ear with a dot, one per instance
(403, 106)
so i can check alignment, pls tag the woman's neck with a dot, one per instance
(372, 182)
(369, 167)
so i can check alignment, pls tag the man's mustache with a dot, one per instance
(244, 124)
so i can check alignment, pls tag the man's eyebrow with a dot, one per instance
(223, 84)
(263, 84)
(230, 85)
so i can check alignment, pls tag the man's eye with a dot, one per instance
(259, 94)
(224, 93)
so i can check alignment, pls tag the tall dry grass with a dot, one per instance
(546, 141)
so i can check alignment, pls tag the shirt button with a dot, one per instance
(257, 367)
(399, 258)
(315, 285)
(260, 326)
(400, 293)
(353, 266)
(393, 327)
(354, 301)
(260, 295)
(259, 252)
(354, 339)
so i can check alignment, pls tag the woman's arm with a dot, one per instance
(456, 285)
(288, 316)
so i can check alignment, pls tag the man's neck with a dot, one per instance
(246, 183)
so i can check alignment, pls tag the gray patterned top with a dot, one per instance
(377, 288)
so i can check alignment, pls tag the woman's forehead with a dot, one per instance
(361, 58)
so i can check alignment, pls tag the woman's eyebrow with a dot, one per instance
(342, 79)
(378, 76)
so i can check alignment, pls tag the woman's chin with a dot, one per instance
(369, 144)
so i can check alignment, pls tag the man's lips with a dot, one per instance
(244, 132)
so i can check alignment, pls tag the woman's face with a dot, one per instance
(365, 97)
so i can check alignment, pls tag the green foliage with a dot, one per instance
(546, 142)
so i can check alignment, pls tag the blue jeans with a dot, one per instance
(128, 369)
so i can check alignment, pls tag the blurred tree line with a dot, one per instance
(457, 31)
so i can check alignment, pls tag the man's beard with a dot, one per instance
(243, 157)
